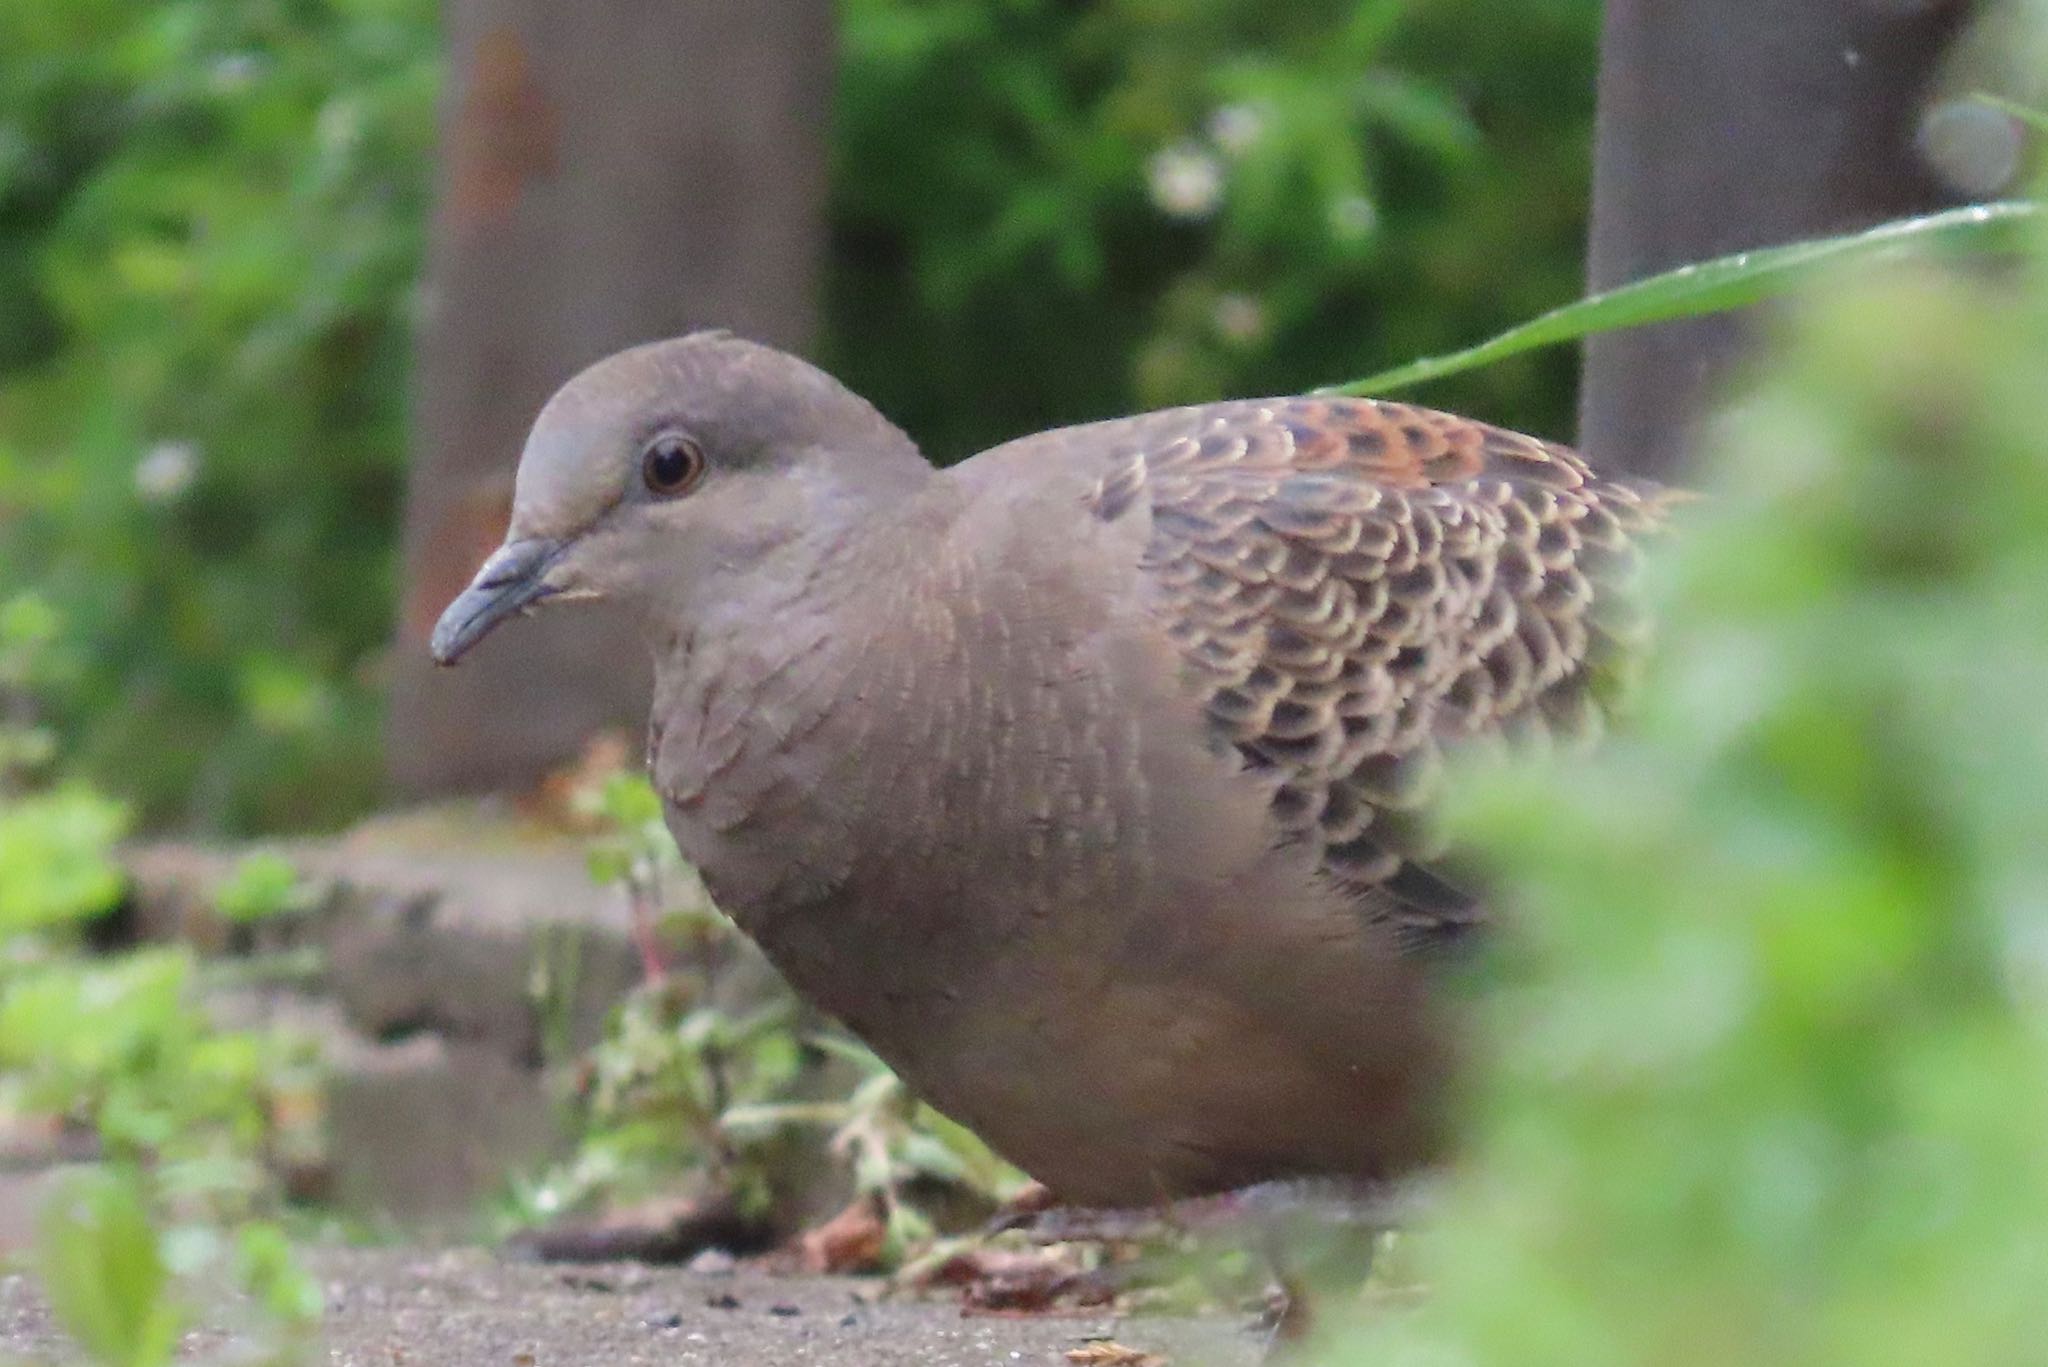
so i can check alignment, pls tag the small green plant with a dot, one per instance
(28, 630)
(713, 1068)
(263, 885)
(114, 1280)
(105, 1272)
(56, 839)
(55, 857)
(118, 1051)
(893, 1145)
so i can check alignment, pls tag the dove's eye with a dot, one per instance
(672, 465)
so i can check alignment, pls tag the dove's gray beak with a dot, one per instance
(511, 581)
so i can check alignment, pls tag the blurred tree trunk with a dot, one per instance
(610, 174)
(1726, 124)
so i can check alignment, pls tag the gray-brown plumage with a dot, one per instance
(1088, 780)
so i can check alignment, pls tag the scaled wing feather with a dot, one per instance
(1358, 585)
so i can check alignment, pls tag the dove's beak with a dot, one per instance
(511, 581)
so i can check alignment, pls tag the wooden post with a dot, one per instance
(1726, 124)
(610, 174)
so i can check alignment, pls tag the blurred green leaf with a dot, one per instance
(57, 858)
(2032, 118)
(630, 800)
(209, 235)
(929, 1156)
(262, 885)
(268, 1270)
(609, 864)
(104, 1274)
(28, 624)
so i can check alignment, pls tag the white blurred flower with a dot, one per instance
(1186, 180)
(1240, 318)
(1974, 148)
(1353, 218)
(234, 71)
(166, 470)
(1236, 127)
(339, 127)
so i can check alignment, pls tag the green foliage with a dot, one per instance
(636, 852)
(894, 1146)
(673, 1058)
(212, 211)
(105, 1275)
(265, 1266)
(56, 863)
(120, 1043)
(29, 631)
(1771, 1029)
(121, 1047)
(263, 885)
(1046, 214)
(113, 1280)
(654, 1095)
(210, 217)
(56, 845)
(184, 1115)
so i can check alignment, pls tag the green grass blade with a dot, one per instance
(2031, 117)
(1728, 282)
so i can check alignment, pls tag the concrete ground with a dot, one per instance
(467, 1308)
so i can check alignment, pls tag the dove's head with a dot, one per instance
(661, 468)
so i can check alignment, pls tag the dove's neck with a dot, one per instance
(769, 725)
